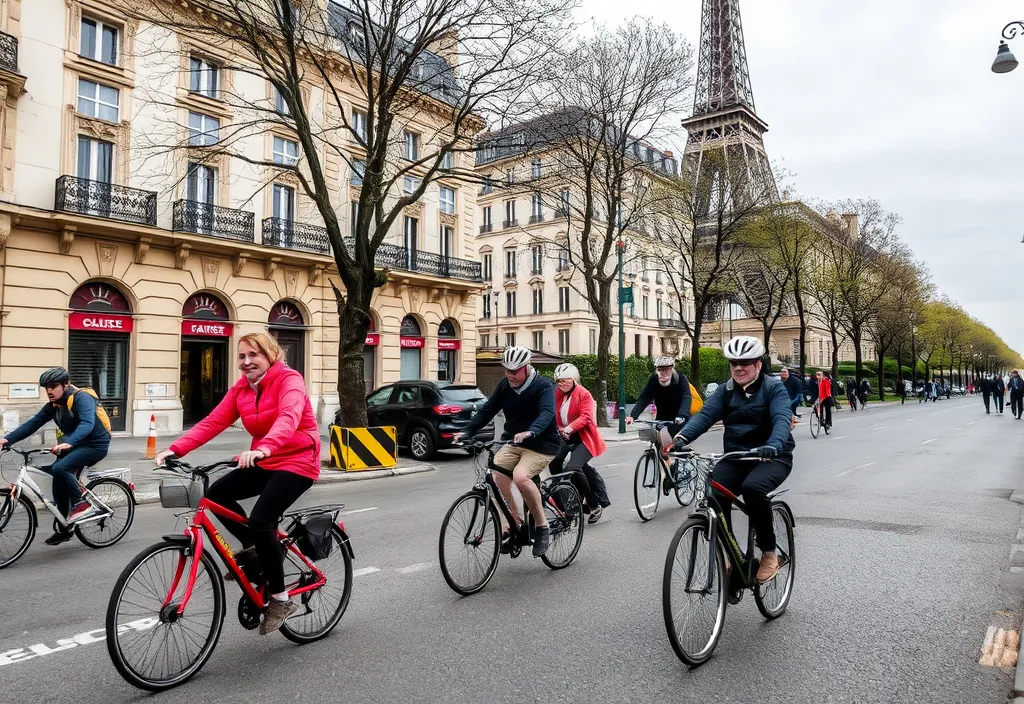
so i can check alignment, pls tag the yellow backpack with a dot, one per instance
(101, 412)
(696, 402)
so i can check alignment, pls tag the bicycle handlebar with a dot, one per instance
(178, 466)
(753, 453)
(25, 454)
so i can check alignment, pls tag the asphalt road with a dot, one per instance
(903, 533)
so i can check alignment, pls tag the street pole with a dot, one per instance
(497, 319)
(913, 353)
(619, 246)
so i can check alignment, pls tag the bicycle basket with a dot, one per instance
(648, 434)
(180, 493)
(313, 536)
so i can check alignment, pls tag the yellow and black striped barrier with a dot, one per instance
(354, 449)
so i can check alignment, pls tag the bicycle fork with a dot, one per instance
(195, 553)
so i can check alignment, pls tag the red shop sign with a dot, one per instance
(449, 344)
(411, 342)
(98, 322)
(206, 328)
(372, 339)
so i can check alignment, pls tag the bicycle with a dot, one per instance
(107, 491)
(171, 595)
(817, 421)
(688, 579)
(476, 528)
(649, 483)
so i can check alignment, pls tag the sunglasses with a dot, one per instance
(742, 362)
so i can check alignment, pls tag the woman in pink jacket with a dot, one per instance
(272, 403)
(581, 440)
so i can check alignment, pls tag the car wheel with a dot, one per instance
(421, 444)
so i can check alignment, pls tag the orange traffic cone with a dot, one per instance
(151, 441)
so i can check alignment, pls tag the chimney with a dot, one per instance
(851, 225)
(447, 47)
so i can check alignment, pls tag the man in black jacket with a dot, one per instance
(793, 388)
(986, 392)
(670, 392)
(528, 401)
(1016, 388)
(998, 391)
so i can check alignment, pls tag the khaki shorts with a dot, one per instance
(512, 458)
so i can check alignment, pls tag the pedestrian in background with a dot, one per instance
(998, 391)
(793, 388)
(986, 392)
(1016, 387)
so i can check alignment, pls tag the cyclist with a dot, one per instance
(851, 393)
(581, 440)
(670, 392)
(85, 442)
(792, 385)
(528, 402)
(823, 406)
(272, 403)
(754, 408)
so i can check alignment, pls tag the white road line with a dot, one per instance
(358, 510)
(365, 570)
(854, 469)
(613, 464)
(928, 441)
(878, 427)
(418, 567)
(958, 429)
(972, 422)
(838, 437)
(911, 420)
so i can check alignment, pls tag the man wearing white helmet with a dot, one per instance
(754, 408)
(528, 402)
(670, 392)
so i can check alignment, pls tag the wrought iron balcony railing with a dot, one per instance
(486, 228)
(105, 200)
(207, 219)
(559, 214)
(673, 323)
(510, 223)
(534, 219)
(286, 234)
(395, 257)
(8, 52)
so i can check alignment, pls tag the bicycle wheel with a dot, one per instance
(772, 596)
(686, 483)
(151, 646)
(646, 486)
(815, 423)
(116, 496)
(469, 542)
(694, 616)
(566, 523)
(17, 527)
(319, 610)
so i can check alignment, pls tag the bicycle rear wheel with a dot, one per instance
(815, 423)
(646, 486)
(772, 597)
(17, 527)
(566, 523)
(319, 610)
(694, 616)
(151, 646)
(469, 542)
(116, 496)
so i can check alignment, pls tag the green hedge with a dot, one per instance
(713, 365)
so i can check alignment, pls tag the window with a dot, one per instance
(563, 342)
(565, 203)
(510, 263)
(636, 345)
(593, 341)
(358, 170)
(201, 184)
(537, 256)
(446, 160)
(99, 41)
(646, 307)
(96, 100)
(95, 160)
(279, 103)
(487, 219)
(359, 125)
(510, 213)
(486, 307)
(487, 267)
(203, 130)
(535, 169)
(447, 236)
(510, 339)
(488, 185)
(284, 202)
(286, 152)
(380, 397)
(563, 299)
(411, 148)
(354, 217)
(536, 208)
(510, 176)
(661, 309)
(447, 200)
(204, 78)
(563, 259)
(538, 301)
(410, 184)
(411, 231)
(538, 340)
(510, 304)
(650, 346)
(485, 340)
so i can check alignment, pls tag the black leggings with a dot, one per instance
(753, 481)
(585, 478)
(826, 411)
(277, 490)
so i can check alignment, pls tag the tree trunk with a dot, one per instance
(835, 352)
(881, 374)
(354, 321)
(858, 357)
(698, 323)
(803, 327)
(604, 344)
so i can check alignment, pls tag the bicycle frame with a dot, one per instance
(24, 481)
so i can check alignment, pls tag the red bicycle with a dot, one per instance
(167, 609)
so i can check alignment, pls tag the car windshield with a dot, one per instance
(461, 394)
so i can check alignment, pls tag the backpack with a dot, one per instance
(696, 402)
(101, 412)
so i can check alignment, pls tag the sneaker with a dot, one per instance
(541, 540)
(595, 515)
(60, 537)
(277, 613)
(768, 567)
(83, 510)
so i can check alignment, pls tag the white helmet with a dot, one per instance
(514, 358)
(743, 347)
(664, 361)
(567, 371)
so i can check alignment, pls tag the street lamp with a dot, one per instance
(1005, 60)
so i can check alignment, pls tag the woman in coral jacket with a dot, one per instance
(581, 440)
(272, 403)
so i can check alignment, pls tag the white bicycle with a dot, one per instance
(109, 492)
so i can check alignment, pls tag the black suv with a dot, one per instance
(426, 414)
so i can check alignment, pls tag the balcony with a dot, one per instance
(484, 229)
(670, 323)
(510, 223)
(560, 213)
(105, 200)
(8, 53)
(534, 219)
(392, 256)
(206, 219)
(286, 234)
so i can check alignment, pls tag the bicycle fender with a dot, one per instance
(787, 509)
(182, 539)
(130, 488)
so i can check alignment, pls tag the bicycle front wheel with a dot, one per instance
(647, 486)
(693, 593)
(319, 610)
(772, 597)
(117, 497)
(17, 526)
(469, 542)
(815, 423)
(686, 483)
(150, 644)
(564, 511)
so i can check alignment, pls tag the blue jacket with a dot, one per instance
(533, 409)
(79, 425)
(761, 418)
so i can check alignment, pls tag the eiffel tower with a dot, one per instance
(724, 119)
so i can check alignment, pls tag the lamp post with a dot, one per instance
(1005, 60)
(619, 247)
(497, 321)
(913, 349)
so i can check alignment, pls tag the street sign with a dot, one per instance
(626, 295)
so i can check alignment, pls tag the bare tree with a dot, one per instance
(437, 67)
(909, 287)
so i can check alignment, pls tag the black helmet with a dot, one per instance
(57, 375)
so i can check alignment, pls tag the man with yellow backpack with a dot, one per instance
(86, 440)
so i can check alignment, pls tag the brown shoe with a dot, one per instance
(768, 567)
(277, 613)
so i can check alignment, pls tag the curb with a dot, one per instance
(1017, 496)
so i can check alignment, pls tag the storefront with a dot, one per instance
(370, 357)
(448, 345)
(411, 343)
(205, 355)
(99, 337)
(287, 325)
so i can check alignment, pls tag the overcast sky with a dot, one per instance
(895, 100)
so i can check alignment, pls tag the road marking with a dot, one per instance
(928, 441)
(358, 510)
(613, 464)
(911, 420)
(838, 437)
(958, 429)
(98, 635)
(972, 422)
(854, 469)
(878, 427)
(418, 567)
(365, 570)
